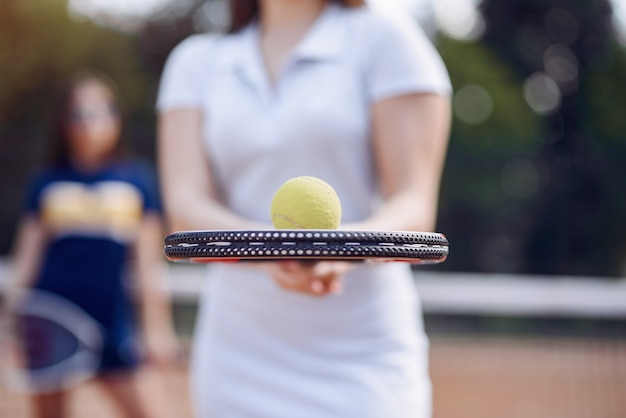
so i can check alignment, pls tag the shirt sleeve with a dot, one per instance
(402, 60)
(181, 81)
(148, 184)
(32, 205)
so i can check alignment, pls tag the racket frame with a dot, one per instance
(63, 313)
(276, 245)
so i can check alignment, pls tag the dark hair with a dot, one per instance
(243, 12)
(60, 114)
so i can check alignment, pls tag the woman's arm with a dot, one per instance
(190, 199)
(27, 252)
(189, 194)
(410, 139)
(25, 260)
(153, 295)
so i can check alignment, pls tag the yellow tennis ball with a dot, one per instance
(306, 203)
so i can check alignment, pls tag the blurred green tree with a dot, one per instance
(560, 58)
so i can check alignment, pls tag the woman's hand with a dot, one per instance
(163, 348)
(315, 279)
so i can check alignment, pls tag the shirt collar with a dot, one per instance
(324, 41)
(325, 38)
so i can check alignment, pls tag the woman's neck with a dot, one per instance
(89, 164)
(288, 15)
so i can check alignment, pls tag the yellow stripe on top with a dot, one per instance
(108, 207)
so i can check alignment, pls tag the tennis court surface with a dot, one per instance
(483, 377)
(497, 350)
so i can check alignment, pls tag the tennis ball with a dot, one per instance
(306, 203)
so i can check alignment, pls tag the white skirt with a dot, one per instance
(263, 352)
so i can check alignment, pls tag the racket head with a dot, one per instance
(306, 245)
(48, 344)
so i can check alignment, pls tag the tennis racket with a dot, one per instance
(312, 245)
(47, 344)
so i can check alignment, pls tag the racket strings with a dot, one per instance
(48, 344)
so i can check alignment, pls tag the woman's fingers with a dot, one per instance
(291, 276)
(317, 279)
(330, 273)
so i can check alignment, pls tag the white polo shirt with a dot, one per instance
(315, 120)
(260, 351)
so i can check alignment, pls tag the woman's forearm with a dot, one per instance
(404, 211)
(186, 211)
(27, 253)
(410, 137)
(186, 178)
(153, 293)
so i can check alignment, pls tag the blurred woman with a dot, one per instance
(90, 217)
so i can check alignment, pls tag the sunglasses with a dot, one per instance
(82, 115)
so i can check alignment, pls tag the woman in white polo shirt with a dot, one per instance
(319, 88)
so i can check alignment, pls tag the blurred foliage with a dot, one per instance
(474, 63)
(485, 224)
(604, 102)
(521, 192)
(573, 156)
(45, 45)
